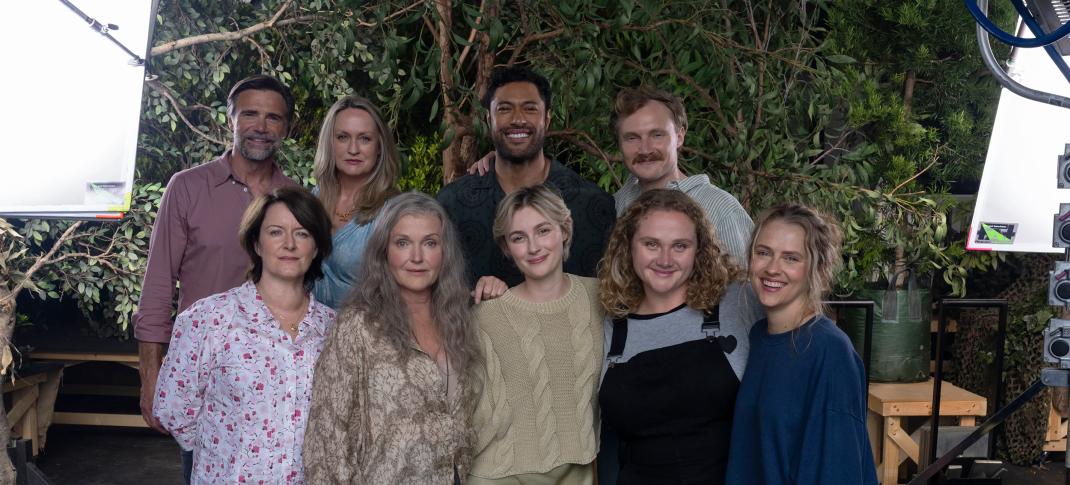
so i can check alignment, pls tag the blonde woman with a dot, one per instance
(356, 171)
(801, 410)
(675, 341)
(536, 419)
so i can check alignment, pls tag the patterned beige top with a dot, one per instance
(377, 420)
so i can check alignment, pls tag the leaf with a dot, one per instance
(840, 59)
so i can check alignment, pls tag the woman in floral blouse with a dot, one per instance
(391, 400)
(236, 383)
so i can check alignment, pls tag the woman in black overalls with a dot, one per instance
(676, 342)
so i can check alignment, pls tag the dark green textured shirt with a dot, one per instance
(471, 202)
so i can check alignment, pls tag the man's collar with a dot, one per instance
(220, 170)
(684, 184)
(223, 171)
(687, 183)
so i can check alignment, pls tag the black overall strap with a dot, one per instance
(618, 338)
(711, 327)
(711, 322)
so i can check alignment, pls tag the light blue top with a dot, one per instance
(342, 268)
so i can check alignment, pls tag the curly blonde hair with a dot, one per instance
(621, 290)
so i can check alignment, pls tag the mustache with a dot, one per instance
(653, 157)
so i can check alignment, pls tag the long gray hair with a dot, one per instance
(378, 297)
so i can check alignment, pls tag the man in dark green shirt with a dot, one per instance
(518, 103)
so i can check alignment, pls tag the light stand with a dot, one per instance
(105, 30)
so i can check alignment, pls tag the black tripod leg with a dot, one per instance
(985, 427)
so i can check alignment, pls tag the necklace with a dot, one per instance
(345, 216)
(289, 320)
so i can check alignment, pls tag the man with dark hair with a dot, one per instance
(518, 104)
(650, 125)
(194, 239)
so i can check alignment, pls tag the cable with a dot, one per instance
(1006, 38)
(1001, 76)
(1038, 31)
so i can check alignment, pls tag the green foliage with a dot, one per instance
(423, 172)
(100, 266)
(787, 101)
(919, 106)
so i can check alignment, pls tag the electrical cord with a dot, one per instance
(982, 20)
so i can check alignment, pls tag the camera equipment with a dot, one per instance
(1047, 21)
(1057, 343)
(1059, 285)
(1063, 174)
(1061, 227)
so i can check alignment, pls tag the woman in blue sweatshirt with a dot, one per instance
(800, 414)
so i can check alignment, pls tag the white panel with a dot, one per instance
(1019, 181)
(71, 104)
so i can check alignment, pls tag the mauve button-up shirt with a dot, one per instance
(195, 242)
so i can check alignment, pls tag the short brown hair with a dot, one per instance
(546, 201)
(630, 100)
(621, 291)
(308, 211)
(262, 82)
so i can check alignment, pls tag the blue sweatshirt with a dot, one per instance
(800, 414)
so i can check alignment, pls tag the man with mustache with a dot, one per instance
(650, 125)
(195, 236)
(518, 104)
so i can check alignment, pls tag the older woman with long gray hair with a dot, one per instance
(390, 398)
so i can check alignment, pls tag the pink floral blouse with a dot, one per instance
(235, 388)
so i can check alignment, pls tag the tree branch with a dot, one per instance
(584, 141)
(160, 88)
(392, 16)
(533, 38)
(273, 22)
(472, 35)
(936, 156)
(41, 262)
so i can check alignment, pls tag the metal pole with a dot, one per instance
(1001, 346)
(938, 377)
(991, 423)
(938, 373)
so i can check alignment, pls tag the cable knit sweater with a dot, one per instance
(537, 405)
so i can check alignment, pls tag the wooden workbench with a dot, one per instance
(889, 403)
(72, 358)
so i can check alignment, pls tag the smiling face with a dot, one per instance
(535, 244)
(779, 270)
(415, 253)
(663, 255)
(286, 248)
(355, 144)
(649, 142)
(518, 121)
(259, 123)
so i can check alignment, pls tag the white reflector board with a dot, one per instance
(1018, 196)
(71, 102)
